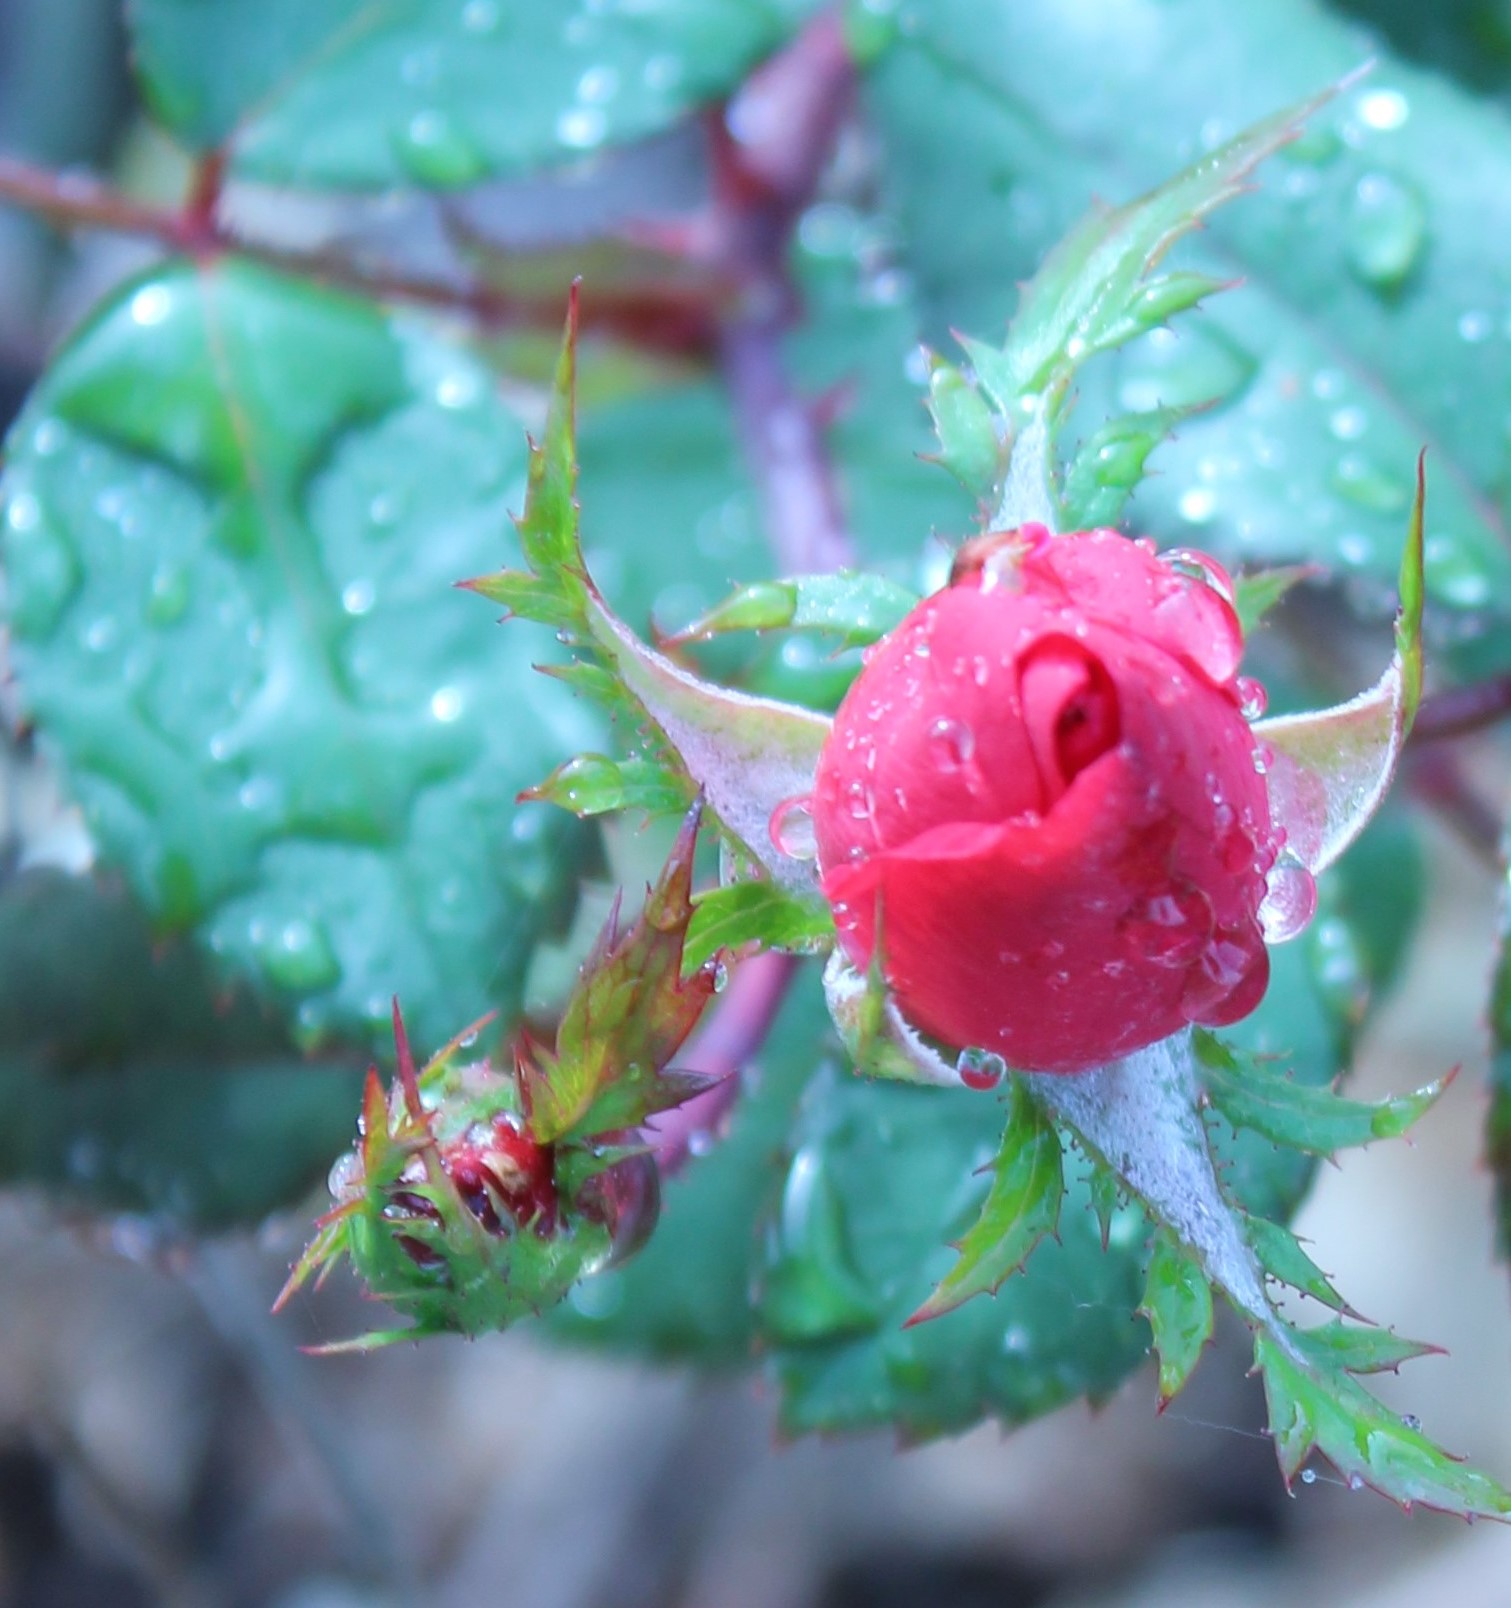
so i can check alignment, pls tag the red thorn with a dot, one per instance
(409, 1079)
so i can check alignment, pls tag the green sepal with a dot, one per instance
(1249, 1093)
(971, 445)
(1178, 1304)
(1319, 1407)
(631, 1009)
(1022, 1206)
(755, 912)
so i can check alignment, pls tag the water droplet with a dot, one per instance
(383, 511)
(1362, 482)
(446, 705)
(1308, 1476)
(1253, 700)
(297, 955)
(23, 512)
(661, 73)
(1194, 566)
(581, 127)
(151, 305)
(719, 976)
(462, 388)
(951, 743)
(1290, 900)
(980, 1069)
(598, 84)
(480, 16)
(1169, 929)
(1356, 1482)
(345, 1177)
(1383, 109)
(1197, 505)
(168, 597)
(1216, 988)
(102, 634)
(1475, 325)
(1385, 230)
(357, 597)
(436, 150)
(1348, 423)
(791, 828)
(1411, 1421)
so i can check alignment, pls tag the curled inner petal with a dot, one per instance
(1070, 707)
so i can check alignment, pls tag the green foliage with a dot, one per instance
(755, 913)
(1022, 1206)
(235, 508)
(131, 1082)
(858, 609)
(1328, 374)
(345, 94)
(1178, 1304)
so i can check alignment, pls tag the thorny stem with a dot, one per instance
(677, 320)
(1456, 711)
(769, 152)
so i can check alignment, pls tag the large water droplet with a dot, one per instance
(1253, 700)
(1170, 929)
(436, 150)
(1217, 987)
(951, 743)
(1194, 566)
(1290, 900)
(345, 1178)
(980, 1069)
(1385, 230)
(1362, 482)
(791, 828)
(297, 955)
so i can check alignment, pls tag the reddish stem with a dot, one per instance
(730, 1035)
(1456, 711)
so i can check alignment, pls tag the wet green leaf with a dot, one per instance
(349, 94)
(1021, 1208)
(1331, 380)
(1178, 1304)
(131, 1081)
(858, 609)
(235, 510)
(755, 912)
(1283, 1258)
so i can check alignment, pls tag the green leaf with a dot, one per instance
(1106, 468)
(859, 609)
(1341, 1345)
(1363, 1440)
(1250, 1094)
(349, 94)
(1023, 1205)
(1331, 377)
(755, 912)
(1178, 1304)
(1283, 1258)
(131, 1082)
(1329, 770)
(594, 784)
(236, 505)
(633, 1005)
(1256, 592)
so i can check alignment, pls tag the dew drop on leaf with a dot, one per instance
(1385, 230)
(791, 827)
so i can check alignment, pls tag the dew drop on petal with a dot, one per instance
(951, 742)
(791, 828)
(1252, 698)
(980, 1069)
(1169, 929)
(1194, 566)
(1290, 900)
(1228, 980)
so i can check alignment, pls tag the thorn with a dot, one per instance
(408, 1078)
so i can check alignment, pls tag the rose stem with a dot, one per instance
(769, 152)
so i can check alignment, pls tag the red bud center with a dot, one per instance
(1070, 709)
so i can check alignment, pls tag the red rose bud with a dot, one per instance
(1043, 788)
